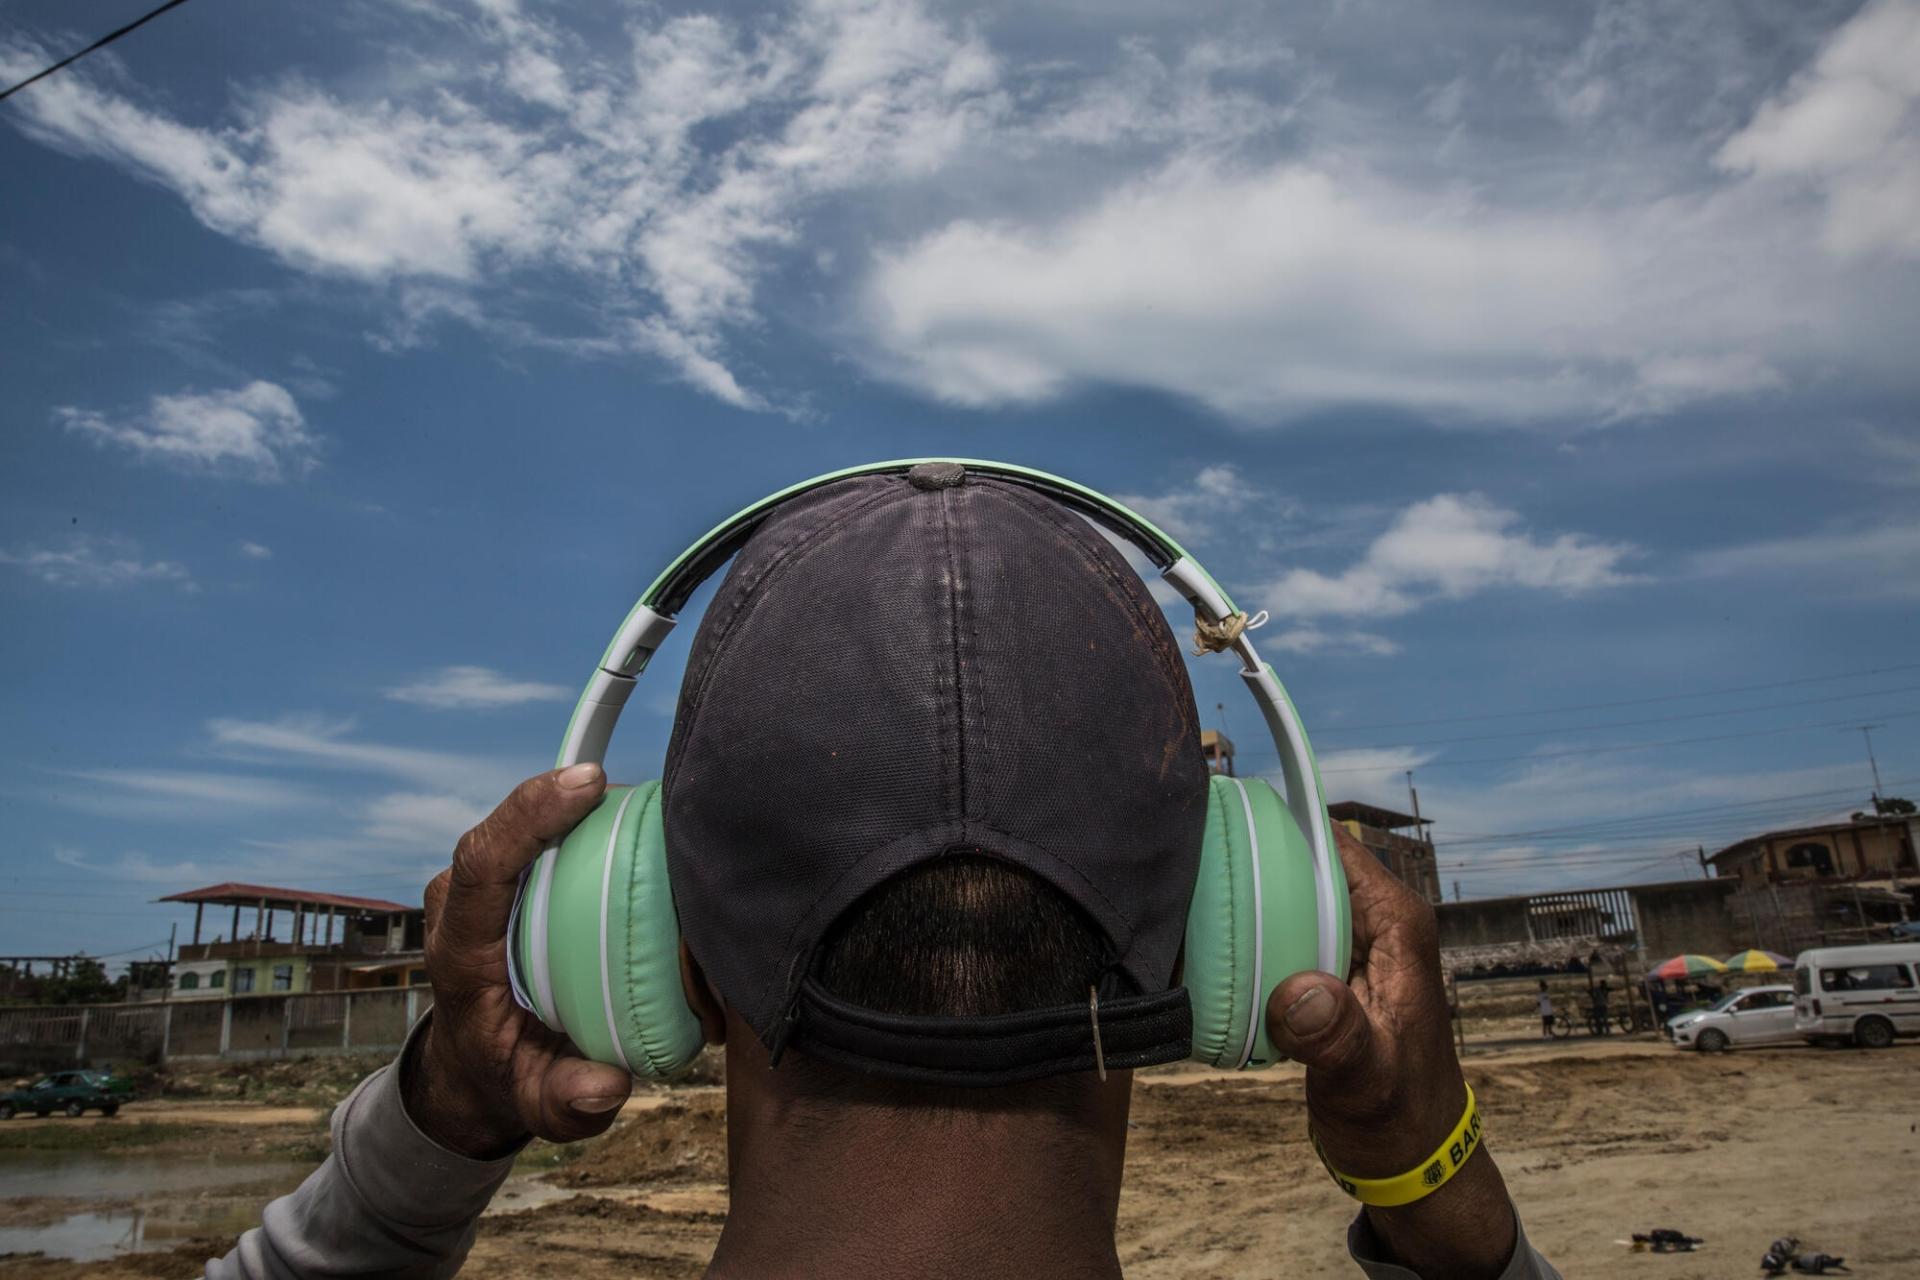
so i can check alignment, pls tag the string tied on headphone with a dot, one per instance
(1218, 637)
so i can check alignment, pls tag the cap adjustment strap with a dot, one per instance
(1000, 1049)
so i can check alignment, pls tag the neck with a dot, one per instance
(882, 1180)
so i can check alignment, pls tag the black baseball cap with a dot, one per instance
(899, 666)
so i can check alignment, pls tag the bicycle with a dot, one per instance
(1562, 1026)
(1636, 1020)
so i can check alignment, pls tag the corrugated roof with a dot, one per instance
(234, 894)
(1373, 815)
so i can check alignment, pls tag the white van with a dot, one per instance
(1857, 995)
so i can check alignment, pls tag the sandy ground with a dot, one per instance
(210, 1113)
(1597, 1139)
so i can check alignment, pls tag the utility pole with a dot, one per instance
(1700, 852)
(1866, 731)
(1414, 797)
(1456, 891)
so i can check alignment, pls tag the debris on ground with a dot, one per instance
(1785, 1253)
(1665, 1240)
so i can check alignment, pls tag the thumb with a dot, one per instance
(579, 1098)
(1315, 1019)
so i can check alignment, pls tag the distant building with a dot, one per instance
(1867, 848)
(1217, 747)
(325, 942)
(1410, 857)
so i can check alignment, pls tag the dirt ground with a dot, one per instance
(1597, 1140)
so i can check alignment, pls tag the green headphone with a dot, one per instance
(594, 944)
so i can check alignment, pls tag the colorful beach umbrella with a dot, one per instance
(1688, 966)
(1758, 961)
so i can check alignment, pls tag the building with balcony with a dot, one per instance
(1399, 840)
(1870, 847)
(294, 940)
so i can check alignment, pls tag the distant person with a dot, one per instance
(1600, 997)
(965, 617)
(1546, 1011)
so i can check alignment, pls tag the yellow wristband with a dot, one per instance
(1425, 1178)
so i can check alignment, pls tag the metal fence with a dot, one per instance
(244, 1027)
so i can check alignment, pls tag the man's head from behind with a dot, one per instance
(935, 795)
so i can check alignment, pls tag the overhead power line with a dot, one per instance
(1633, 724)
(99, 44)
(1636, 746)
(1623, 702)
(1769, 802)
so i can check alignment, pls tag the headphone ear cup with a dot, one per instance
(1220, 931)
(658, 1031)
(613, 941)
(1254, 921)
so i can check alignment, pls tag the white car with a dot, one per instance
(1758, 1015)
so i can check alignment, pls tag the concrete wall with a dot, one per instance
(1485, 923)
(267, 1026)
(1714, 917)
(1691, 916)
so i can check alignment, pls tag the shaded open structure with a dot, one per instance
(292, 940)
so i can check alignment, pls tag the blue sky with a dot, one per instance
(1547, 374)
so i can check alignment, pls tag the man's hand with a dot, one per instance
(488, 1073)
(1384, 1086)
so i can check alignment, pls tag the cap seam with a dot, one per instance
(958, 775)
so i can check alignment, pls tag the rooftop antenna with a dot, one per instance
(1414, 796)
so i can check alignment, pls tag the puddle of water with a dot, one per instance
(123, 1204)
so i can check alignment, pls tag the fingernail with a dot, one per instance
(1310, 1012)
(595, 1106)
(576, 776)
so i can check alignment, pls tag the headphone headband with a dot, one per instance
(653, 616)
(669, 592)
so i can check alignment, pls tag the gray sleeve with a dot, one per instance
(1365, 1246)
(389, 1201)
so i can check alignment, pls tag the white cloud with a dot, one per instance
(616, 179)
(139, 867)
(1193, 515)
(1448, 547)
(317, 741)
(1872, 560)
(1372, 774)
(466, 688)
(1845, 128)
(255, 431)
(255, 550)
(173, 793)
(1310, 639)
(1614, 222)
(425, 822)
(99, 562)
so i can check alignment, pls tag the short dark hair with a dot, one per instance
(962, 935)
